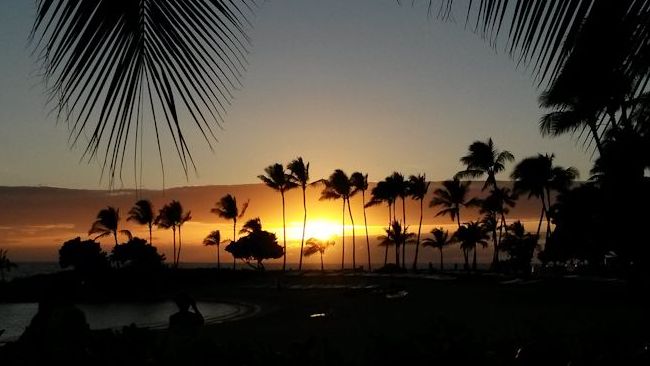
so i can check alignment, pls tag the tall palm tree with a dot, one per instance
(397, 236)
(382, 192)
(439, 241)
(452, 196)
(142, 213)
(359, 182)
(106, 223)
(317, 246)
(251, 226)
(495, 207)
(399, 187)
(277, 179)
(484, 159)
(470, 235)
(418, 187)
(300, 175)
(227, 209)
(166, 220)
(537, 176)
(173, 216)
(338, 186)
(159, 56)
(214, 239)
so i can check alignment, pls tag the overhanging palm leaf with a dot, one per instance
(106, 62)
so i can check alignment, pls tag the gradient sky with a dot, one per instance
(360, 85)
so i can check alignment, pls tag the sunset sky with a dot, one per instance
(359, 85)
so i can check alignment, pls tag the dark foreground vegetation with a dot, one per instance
(344, 318)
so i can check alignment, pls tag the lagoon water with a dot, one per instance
(15, 317)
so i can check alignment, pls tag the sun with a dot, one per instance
(319, 229)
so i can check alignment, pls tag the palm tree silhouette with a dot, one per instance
(396, 236)
(359, 182)
(495, 207)
(277, 179)
(470, 235)
(399, 187)
(251, 226)
(162, 56)
(484, 159)
(5, 264)
(227, 209)
(317, 246)
(452, 196)
(300, 175)
(337, 186)
(172, 216)
(418, 187)
(214, 239)
(537, 176)
(382, 192)
(106, 223)
(439, 240)
(142, 213)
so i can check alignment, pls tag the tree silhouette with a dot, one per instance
(106, 223)
(520, 247)
(85, 256)
(142, 213)
(115, 59)
(317, 246)
(396, 236)
(400, 186)
(537, 176)
(359, 183)
(337, 186)
(137, 254)
(214, 239)
(470, 235)
(300, 176)
(5, 264)
(418, 187)
(452, 196)
(484, 159)
(439, 241)
(382, 192)
(277, 179)
(495, 207)
(172, 216)
(257, 245)
(227, 209)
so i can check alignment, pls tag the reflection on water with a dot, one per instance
(15, 317)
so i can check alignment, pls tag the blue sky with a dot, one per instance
(359, 85)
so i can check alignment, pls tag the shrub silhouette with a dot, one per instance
(257, 246)
(85, 256)
(137, 254)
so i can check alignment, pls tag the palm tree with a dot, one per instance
(214, 239)
(227, 209)
(172, 216)
(359, 182)
(142, 213)
(277, 179)
(418, 187)
(106, 223)
(439, 240)
(470, 235)
(317, 246)
(337, 186)
(382, 192)
(495, 207)
(537, 176)
(396, 236)
(399, 188)
(300, 175)
(452, 196)
(5, 264)
(158, 56)
(251, 226)
(484, 159)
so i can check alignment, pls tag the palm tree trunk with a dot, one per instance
(218, 258)
(304, 225)
(150, 236)
(548, 216)
(466, 258)
(284, 235)
(397, 262)
(343, 238)
(417, 242)
(495, 255)
(178, 254)
(390, 217)
(404, 226)
(322, 267)
(441, 265)
(115, 236)
(234, 239)
(365, 223)
(174, 235)
(354, 245)
(541, 217)
(474, 260)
